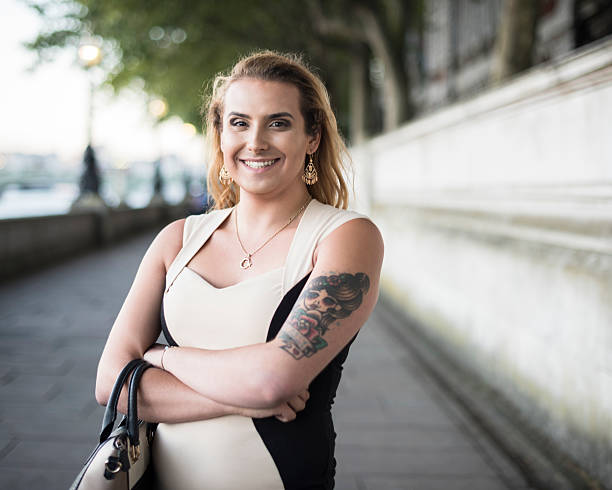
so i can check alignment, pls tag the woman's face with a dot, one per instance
(319, 299)
(263, 136)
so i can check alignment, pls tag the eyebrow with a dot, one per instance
(276, 115)
(280, 114)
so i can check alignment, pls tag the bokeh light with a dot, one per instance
(90, 54)
(158, 108)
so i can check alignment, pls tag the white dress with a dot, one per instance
(235, 452)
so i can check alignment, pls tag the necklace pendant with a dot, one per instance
(246, 262)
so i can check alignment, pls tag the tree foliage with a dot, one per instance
(515, 43)
(174, 48)
(382, 27)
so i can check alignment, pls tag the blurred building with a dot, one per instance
(457, 43)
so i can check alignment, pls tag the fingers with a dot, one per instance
(286, 413)
(153, 354)
(297, 403)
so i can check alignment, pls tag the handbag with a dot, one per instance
(122, 458)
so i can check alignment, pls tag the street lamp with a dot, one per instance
(90, 55)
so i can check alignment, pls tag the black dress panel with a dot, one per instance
(303, 449)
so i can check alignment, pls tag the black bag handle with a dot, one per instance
(110, 414)
(132, 416)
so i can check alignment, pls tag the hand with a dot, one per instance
(289, 410)
(154, 354)
(285, 412)
(282, 412)
(298, 402)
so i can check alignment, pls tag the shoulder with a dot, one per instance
(175, 235)
(169, 241)
(357, 233)
(326, 211)
(349, 231)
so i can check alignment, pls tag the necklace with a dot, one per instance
(247, 262)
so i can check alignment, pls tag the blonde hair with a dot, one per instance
(318, 116)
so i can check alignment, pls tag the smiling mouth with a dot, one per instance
(259, 163)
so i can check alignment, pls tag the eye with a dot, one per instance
(329, 301)
(312, 294)
(280, 123)
(236, 122)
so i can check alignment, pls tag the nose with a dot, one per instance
(257, 139)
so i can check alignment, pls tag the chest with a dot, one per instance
(219, 260)
(200, 315)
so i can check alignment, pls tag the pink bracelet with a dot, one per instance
(161, 361)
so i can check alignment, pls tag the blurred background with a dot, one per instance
(480, 132)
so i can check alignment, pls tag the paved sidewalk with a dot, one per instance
(397, 430)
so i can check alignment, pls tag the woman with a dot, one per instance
(261, 297)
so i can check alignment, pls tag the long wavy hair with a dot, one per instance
(331, 155)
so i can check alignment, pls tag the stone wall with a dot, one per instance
(27, 243)
(497, 219)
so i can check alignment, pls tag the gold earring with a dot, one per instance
(224, 176)
(310, 175)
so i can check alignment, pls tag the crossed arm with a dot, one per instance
(259, 380)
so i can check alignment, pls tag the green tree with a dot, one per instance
(173, 47)
(373, 29)
(516, 38)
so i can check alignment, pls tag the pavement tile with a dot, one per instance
(369, 460)
(45, 454)
(409, 438)
(390, 378)
(84, 371)
(427, 415)
(5, 432)
(17, 479)
(432, 483)
(51, 411)
(82, 349)
(345, 481)
(36, 479)
(47, 320)
(29, 388)
(496, 458)
(8, 442)
(48, 365)
(25, 349)
(83, 430)
(7, 373)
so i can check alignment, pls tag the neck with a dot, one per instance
(258, 215)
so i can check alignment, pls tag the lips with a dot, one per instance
(257, 164)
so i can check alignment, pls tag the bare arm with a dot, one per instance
(162, 397)
(347, 273)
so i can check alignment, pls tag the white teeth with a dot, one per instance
(252, 164)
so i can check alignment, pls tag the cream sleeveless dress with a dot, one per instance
(229, 452)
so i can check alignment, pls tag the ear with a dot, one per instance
(313, 141)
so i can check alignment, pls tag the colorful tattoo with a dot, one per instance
(325, 300)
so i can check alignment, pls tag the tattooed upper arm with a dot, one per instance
(325, 300)
(336, 301)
